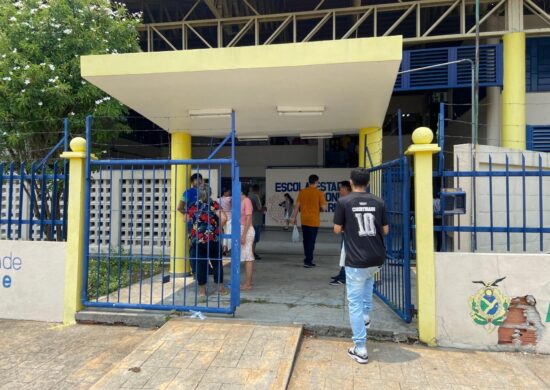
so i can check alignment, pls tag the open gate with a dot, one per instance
(134, 257)
(391, 181)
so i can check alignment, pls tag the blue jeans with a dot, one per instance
(359, 285)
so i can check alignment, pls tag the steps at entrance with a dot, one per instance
(189, 353)
(140, 318)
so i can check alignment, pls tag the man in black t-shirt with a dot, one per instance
(361, 217)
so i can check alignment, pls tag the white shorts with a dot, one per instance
(246, 249)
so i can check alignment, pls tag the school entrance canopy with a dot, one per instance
(310, 89)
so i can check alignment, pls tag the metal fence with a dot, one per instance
(507, 200)
(136, 257)
(33, 197)
(391, 181)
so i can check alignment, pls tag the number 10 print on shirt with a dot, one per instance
(366, 224)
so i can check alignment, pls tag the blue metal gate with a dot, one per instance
(391, 181)
(130, 261)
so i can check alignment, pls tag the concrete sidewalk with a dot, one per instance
(194, 354)
(323, 364)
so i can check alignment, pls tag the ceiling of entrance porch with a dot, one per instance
(351, 79)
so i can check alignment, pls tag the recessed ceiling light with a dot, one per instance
(299, 111)
(211, 113)
(316, 135)
(253, 138)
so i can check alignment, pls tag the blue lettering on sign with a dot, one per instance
(288, 187)
(9, 263)
(6, 281)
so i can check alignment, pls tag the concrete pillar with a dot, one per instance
(75, 230)
(371, 138)
(422, 150)
(513, 95)
(493, 116)
(179, 247)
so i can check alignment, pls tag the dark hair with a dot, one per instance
(226, 189)
(196, 176)
(360, 177)
(345, 184)
(245, 188)
(287, 195)
(313, 179)
(255, 187)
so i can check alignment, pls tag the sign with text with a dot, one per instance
(282, 181)
(32, 280)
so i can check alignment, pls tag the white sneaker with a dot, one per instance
(361, 358)
(366, 318)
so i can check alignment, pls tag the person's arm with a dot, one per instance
(339, 218)
(323, 202)
(181, 207)
(385, 226)
(247, 225)
(223, 217)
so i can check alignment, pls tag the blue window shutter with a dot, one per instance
(538, 138)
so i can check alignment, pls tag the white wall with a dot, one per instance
(254, 160)
(537, 108)
(36, 274)
(525, 274)
(498, 155)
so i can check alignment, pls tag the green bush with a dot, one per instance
(115, 266)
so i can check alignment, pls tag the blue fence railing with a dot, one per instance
(33, 197)
(135, 257)
(507, 199)
(391, 181)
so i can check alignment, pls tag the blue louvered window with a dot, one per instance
(451, 76)
(537, 65)
(538, 138)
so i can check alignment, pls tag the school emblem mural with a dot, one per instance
(489, 305)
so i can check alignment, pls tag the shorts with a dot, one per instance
(246, 249)
(257, 230)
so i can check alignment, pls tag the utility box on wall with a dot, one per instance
(452, 201)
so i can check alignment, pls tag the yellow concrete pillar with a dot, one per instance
(513, 94)
(179, 246)
(371, 137)
(75, 230)
(422, 151)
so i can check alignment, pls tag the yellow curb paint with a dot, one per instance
(422, 151)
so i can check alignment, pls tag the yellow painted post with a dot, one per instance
(422, 150)
(180, 150)
(371, 137)
(513, 94)
(75, 230)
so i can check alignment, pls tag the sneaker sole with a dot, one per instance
(358, 359)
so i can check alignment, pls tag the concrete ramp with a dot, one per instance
(190, 353)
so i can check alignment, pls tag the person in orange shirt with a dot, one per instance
(311, 201)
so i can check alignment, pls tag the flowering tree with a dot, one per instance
(41, 42)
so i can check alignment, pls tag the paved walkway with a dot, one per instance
(36, 355)
(189, 354)
(323, 364)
